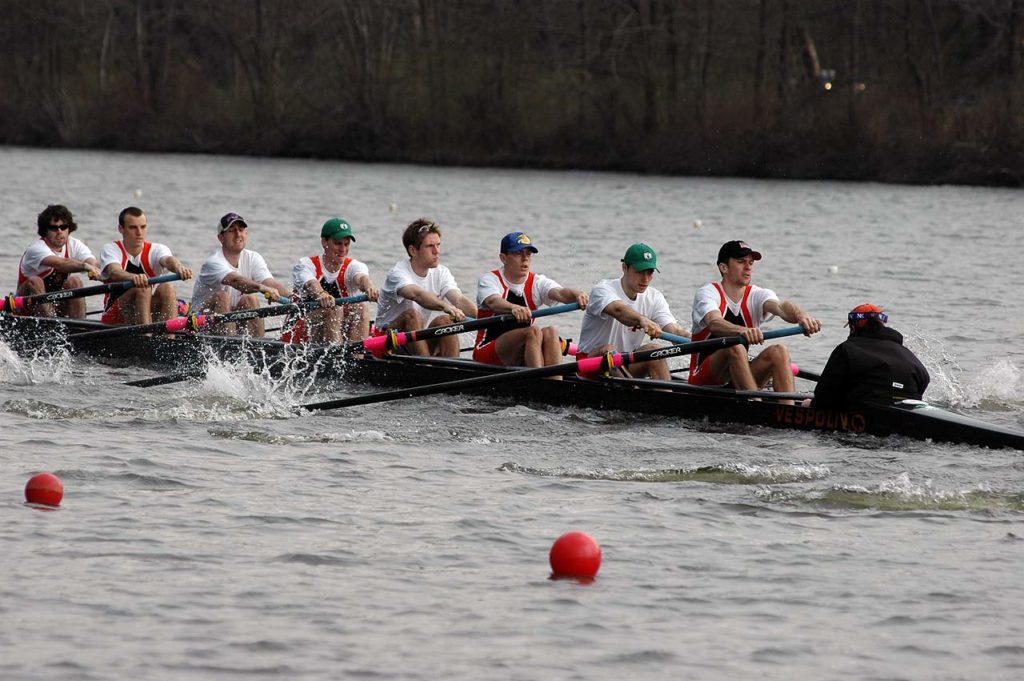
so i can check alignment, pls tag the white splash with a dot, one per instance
(46, 364)
(1002, 381)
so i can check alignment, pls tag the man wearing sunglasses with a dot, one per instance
(47, 265)
(234, 277)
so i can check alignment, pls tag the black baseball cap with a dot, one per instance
(736, 249)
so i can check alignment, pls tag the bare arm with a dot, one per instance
(172, 264)
(676, 329)
(365, 285)
(71, 266)
(428, 300)
(115, 272)
(627, 316)
(246, 285)
(718, 326)
(794, 314)
(314, 289)
(499, 305)
(467, 306)
(570, 295)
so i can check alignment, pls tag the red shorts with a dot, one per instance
(704, 375)
(487, 354)
(296, 333)
(113, 314)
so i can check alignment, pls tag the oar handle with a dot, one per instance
(285, 300)
(768, 335)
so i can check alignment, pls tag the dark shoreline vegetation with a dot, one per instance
(918, 91)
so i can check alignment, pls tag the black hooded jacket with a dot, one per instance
(872, 366)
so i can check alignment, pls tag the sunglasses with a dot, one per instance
(68, 226)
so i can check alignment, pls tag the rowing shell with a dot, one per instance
(910, 418)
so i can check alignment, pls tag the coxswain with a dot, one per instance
(871, 365)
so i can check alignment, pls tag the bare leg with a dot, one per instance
(731, 365)
(164, 304)
(410, 320)
(445, 346)
(358, 322)
(654, 368)
(219, 304)
(75, 307)
(324, 325)
(774, 363)
(520, 347)
(136, 305)
(253, 327)
(34, 286)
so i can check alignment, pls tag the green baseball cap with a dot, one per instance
(641, 257)
(337, 229)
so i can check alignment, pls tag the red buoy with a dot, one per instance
(44, 488)
(575, 554)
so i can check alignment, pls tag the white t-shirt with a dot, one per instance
(601, 329)
(31, 261)
(707, 299)
(112, 255)
(390, 305)
(490, 285)
(305, 272)
(210, 281)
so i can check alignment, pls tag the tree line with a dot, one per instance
(897, 90)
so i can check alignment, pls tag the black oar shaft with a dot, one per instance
(196, 322)
(591, 364)
(11, 303)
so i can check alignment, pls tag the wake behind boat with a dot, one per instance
(186, 353)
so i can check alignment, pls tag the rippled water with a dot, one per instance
(207, 531)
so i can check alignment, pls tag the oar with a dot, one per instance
(394, 339)
(673, 338)
(13, 303)
(195, 322)
(589, 365)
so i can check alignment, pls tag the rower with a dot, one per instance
(735, 306)
(420, 291)
(324, 277)
(514, 289)
(871, 365)
(47, 265)
(133, 258)
(234, 277)
(621, 312)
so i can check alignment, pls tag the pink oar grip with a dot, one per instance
(592, 365)
(794, 368)
(375, 344)
(572, 349)
(181, 323)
